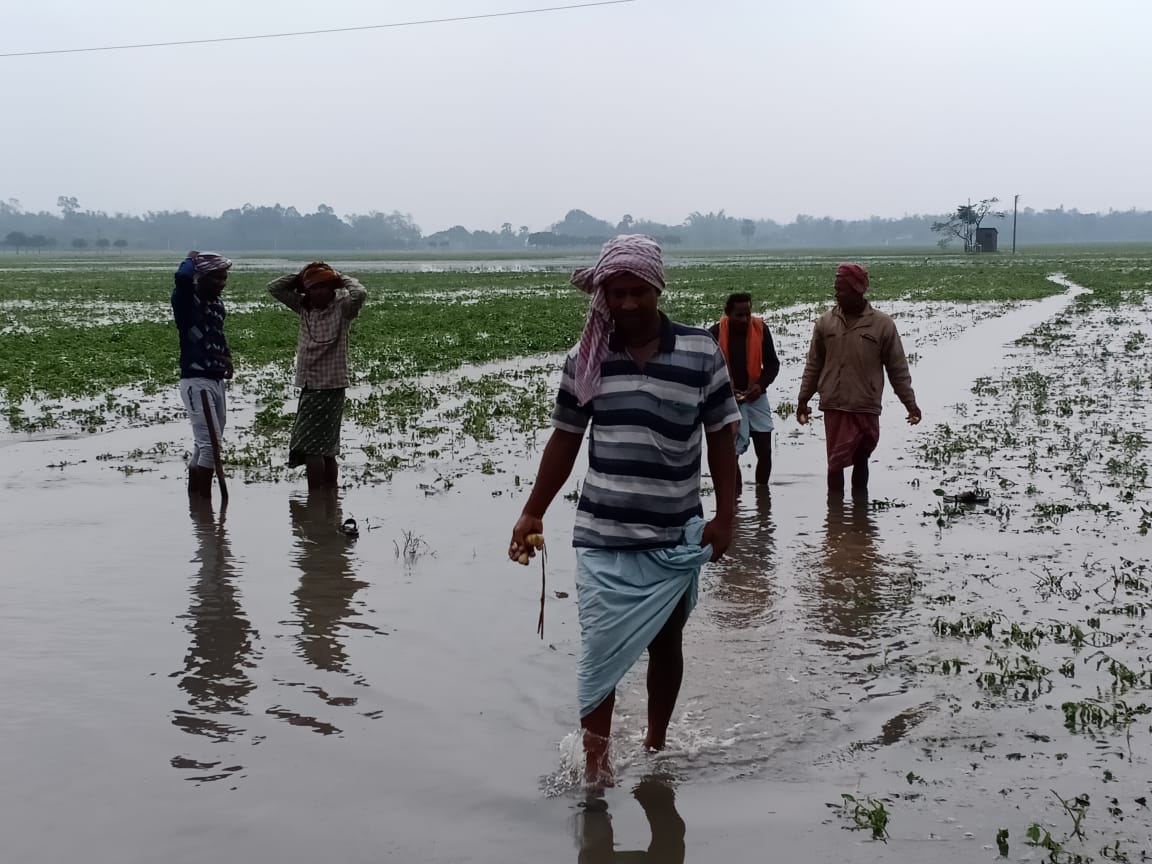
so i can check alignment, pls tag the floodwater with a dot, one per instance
(417, 262)
(252, 685)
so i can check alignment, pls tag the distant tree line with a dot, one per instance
(279, 228)
(18, 241)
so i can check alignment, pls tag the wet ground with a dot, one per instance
(255, 686)
(437, 262)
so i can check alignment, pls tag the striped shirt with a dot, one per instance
(643, 480)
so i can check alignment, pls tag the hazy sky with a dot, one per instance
(765, 108)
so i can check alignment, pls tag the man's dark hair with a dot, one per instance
(733, 299)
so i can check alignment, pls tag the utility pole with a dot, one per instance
(1015, 201)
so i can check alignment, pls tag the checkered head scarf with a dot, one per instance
(208, 262)
(637, 254)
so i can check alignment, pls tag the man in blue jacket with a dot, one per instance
(205, 359)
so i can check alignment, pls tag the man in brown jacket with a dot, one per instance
(852, 346)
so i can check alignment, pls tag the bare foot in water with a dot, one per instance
(653, 742)
(597, 762)
(598, 773)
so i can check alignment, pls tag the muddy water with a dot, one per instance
(262, 688)
(923, 327)
(255, 686)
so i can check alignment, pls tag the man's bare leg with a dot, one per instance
(762, 441)
(860, 470)
(314, 471)
(200, 482)
(665, 674)
(597, 726)
(331, 472)
(836, 482)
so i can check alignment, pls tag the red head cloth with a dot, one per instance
(637, 254)
(854, 275)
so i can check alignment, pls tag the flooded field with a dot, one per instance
(956, 668)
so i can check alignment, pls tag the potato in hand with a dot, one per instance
(524, 554)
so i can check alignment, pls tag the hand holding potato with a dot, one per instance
(527, 537)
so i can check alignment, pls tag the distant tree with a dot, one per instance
(457, 237)
(962, 224)
(17, 240)
(121, 244)
(747, 229)
(577, 223)
(712, 230)
(626, 223)
(79, 243)
(103, 243)
(378, 230)
(39, 241)
(68, 204)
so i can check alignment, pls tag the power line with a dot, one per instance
(319, 32)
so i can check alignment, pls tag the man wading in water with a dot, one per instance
(651, 390)
(327, 302)
(852, 346)
(753, 366)
(205, 358)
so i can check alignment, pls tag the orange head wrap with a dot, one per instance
(317, 273)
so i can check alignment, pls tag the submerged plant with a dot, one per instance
(865, 814)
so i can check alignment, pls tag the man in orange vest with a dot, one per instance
(752, 366)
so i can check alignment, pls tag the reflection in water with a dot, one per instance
(859, 598)
(222, 640)
(323, 599)
(851, 594)
(327, 587)
(658, 799)
(745, 592)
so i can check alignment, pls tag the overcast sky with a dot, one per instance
(765, 108)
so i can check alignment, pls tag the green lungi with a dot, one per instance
(316, 431)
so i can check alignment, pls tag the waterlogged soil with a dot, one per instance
(398, 422)
(88, 333)
(255, 685)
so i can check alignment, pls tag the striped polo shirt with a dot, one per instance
(644, 448)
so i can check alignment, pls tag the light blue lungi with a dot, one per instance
(754, 417)
(625, 598)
